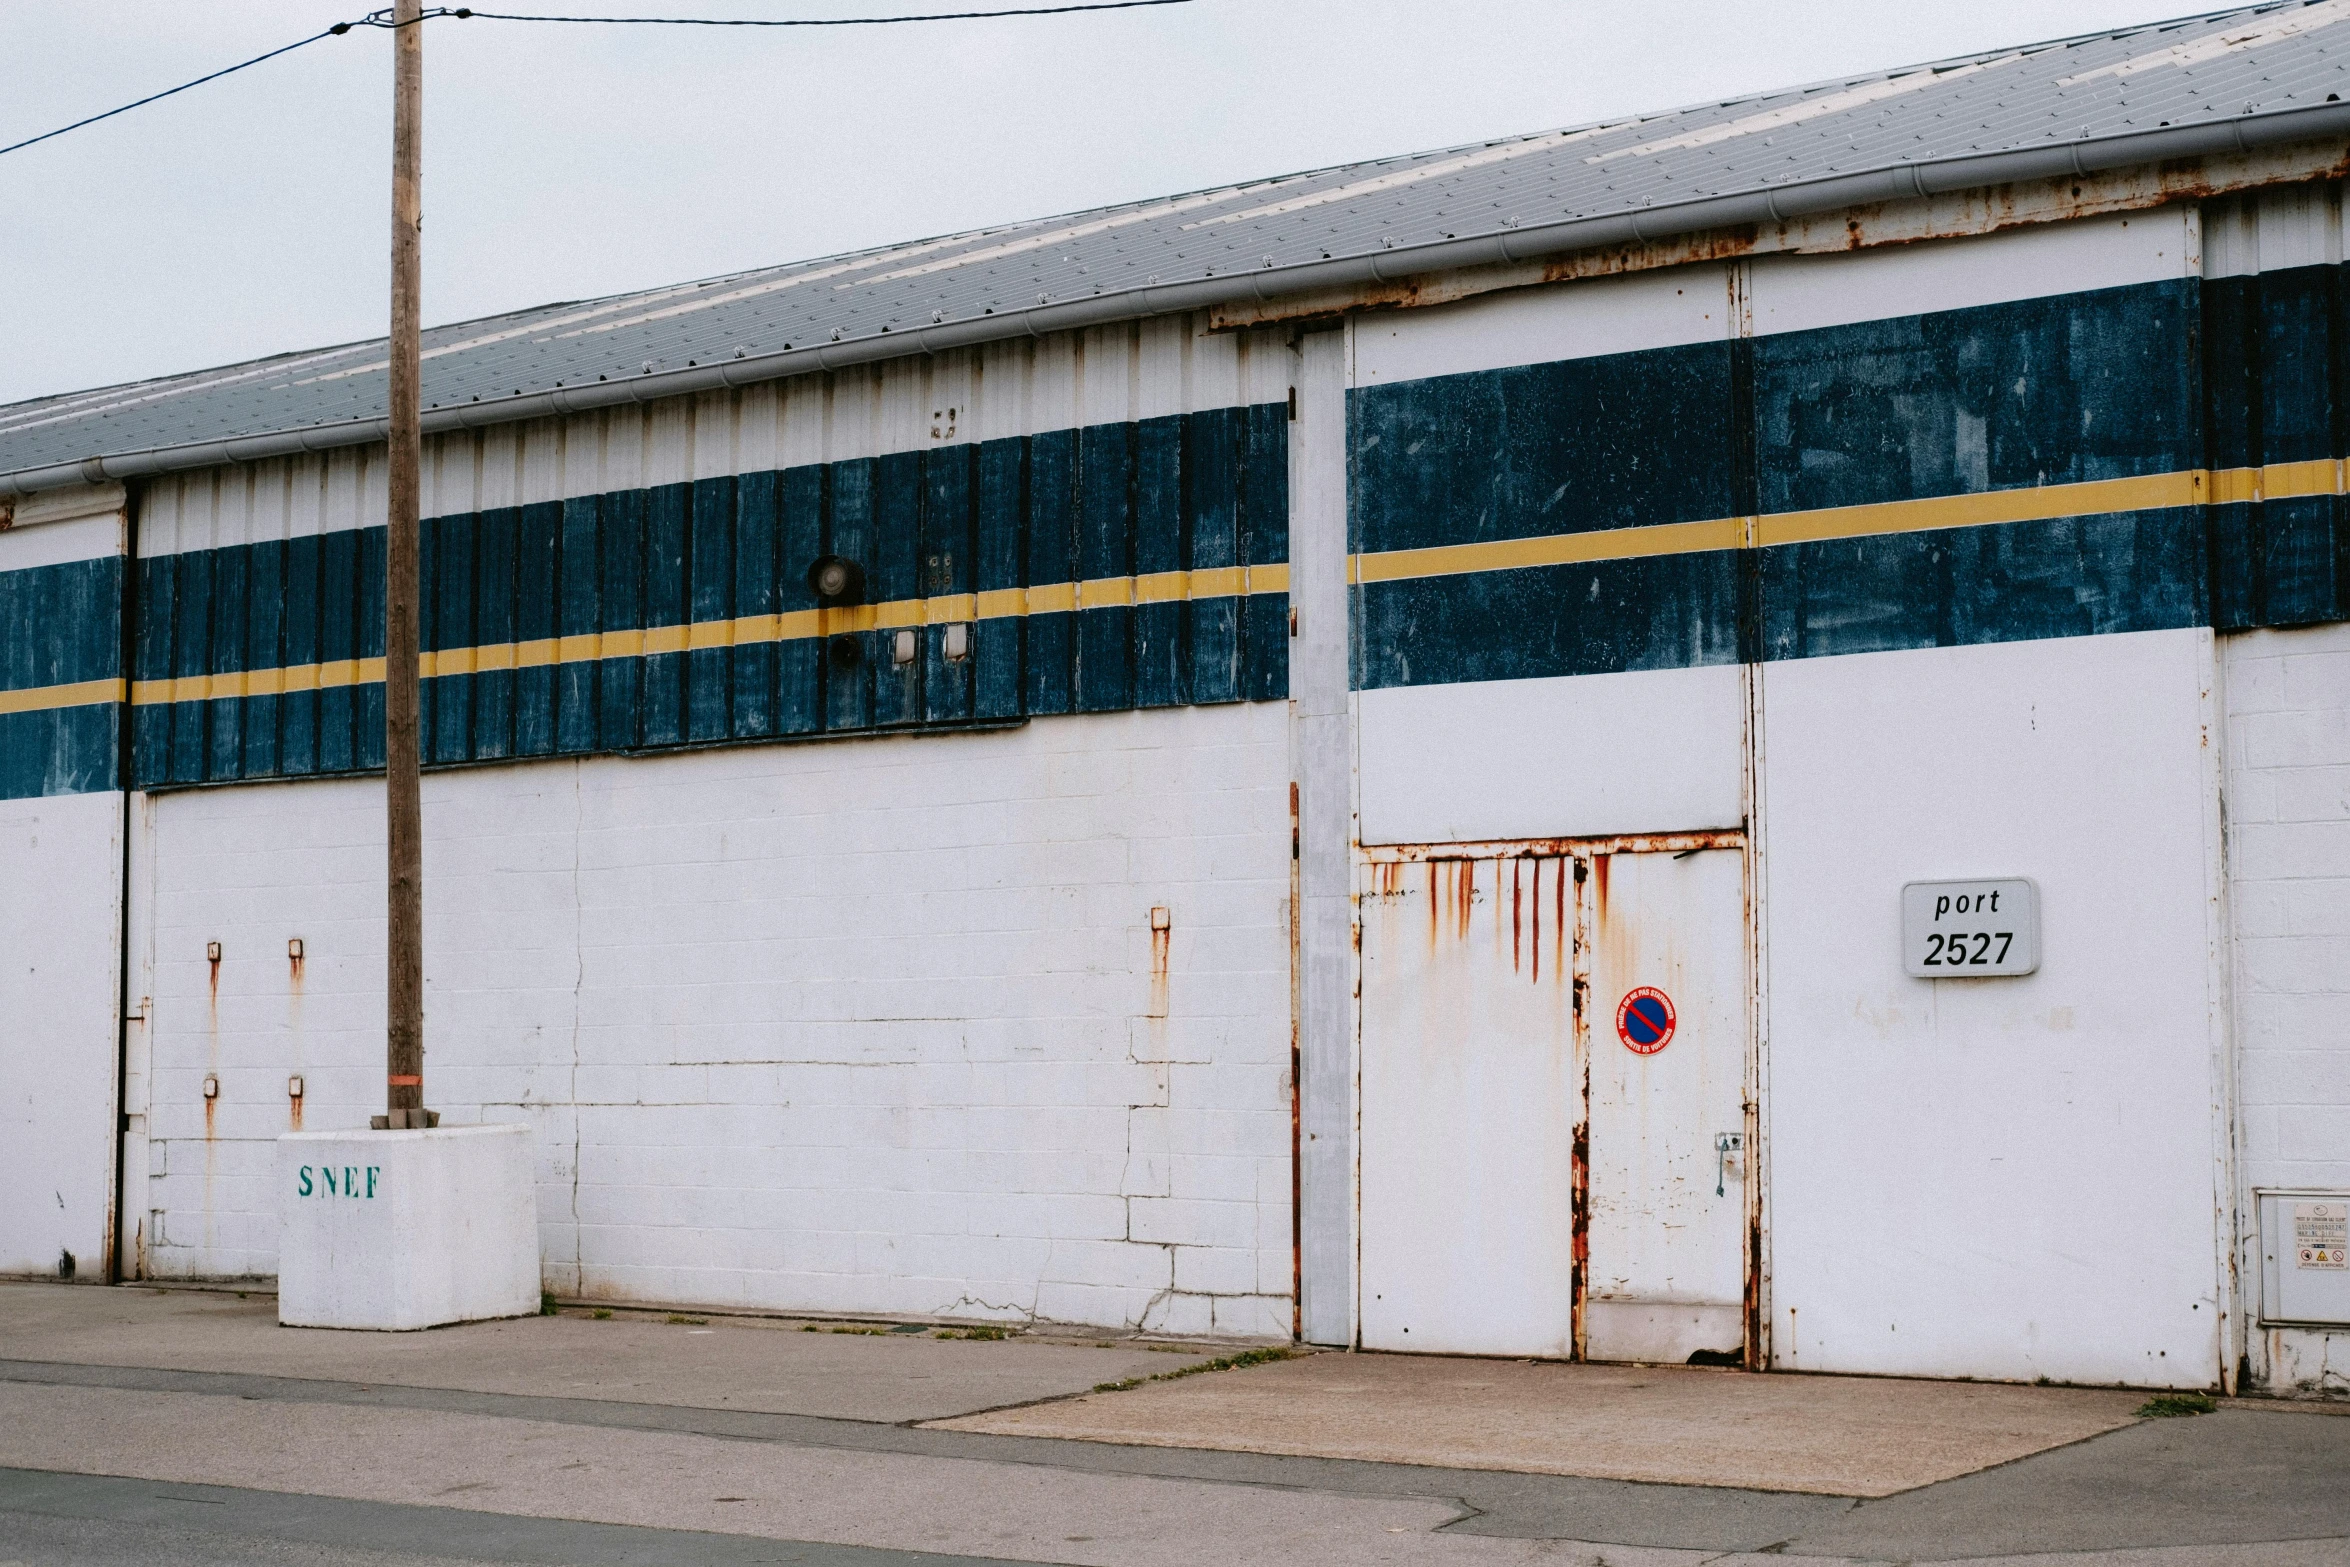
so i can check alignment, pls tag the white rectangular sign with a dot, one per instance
(2321, 1235)
(1970, 929)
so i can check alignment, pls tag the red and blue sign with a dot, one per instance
(1644, 1020)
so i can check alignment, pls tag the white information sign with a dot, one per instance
(1970, 929)
(2321, 1235)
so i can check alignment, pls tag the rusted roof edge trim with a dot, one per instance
(1771, 204)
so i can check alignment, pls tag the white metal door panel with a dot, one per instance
(1585, 319)
(1479, 760)
(2007, 1178)
(1468, 1107)
(1667, 1201)
(2033, 261)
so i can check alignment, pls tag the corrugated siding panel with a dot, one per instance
(2276, 363)
(60, 625)
(690, 563)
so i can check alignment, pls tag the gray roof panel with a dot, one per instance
(2245, 75)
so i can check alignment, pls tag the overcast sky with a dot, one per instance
(248, 217)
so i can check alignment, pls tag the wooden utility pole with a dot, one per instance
(403, 800)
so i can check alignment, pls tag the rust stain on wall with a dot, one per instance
(1951, 215)
(1160, 939)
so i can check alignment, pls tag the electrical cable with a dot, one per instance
(833, 21)
(383, 19)
(335, 31)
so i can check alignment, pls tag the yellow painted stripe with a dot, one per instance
(1105, 593)
(1053, 598)
(747, 630)
(2152, 492)
(2278, 481)
(82, 693)
(1555, 549)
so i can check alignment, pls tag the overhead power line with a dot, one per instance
(334, 31)
(383, 19)
(829, 21)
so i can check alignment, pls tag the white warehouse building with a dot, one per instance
(1721, 737)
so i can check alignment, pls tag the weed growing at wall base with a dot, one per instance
(1247, 1357)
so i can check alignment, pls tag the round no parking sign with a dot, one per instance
(1644, 1020)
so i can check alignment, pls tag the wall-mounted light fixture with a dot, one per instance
(835, 580)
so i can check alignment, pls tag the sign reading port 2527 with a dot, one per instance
(1970, 929)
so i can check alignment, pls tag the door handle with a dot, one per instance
(1725, 1144)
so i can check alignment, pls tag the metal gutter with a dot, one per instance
(1895, 182)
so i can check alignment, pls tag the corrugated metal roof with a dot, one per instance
(2257, 74)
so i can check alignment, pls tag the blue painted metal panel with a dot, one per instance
(538, 566)
(1618, 441)
(502, 590)
(60, 625)
(668, 540)
(893, 573)
(1000, 544)
(621, 571)
(851, 532)
(800, 538)
(947, 547)
(2057, 390)
(1213, 442)
(224, 731)
(578, 612)
(191, 654)
(264, 638)
(1160, 672)
(1052, 557)
(754, 590)
(494, 583)
(2277, 390)
(2071, 389)
(1105, 548)
(298, 709)
(344, 629)
(2008, 582)
(710, 670)
(1264, 501)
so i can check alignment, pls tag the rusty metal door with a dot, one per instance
(1666, 1027)
(1469, 1104)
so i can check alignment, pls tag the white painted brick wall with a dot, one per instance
(848, 1027)
(2288, 783)
(60, 940)
(2288, 806)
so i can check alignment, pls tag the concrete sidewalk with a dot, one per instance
(186, 1428)
(1674, 1425)
(847, 1371)
(1842, 1436)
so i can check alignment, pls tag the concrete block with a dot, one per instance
(1215, 1270)
(404, 1230)
(1183, 1222)
(1181, 1316)
(1254, 1316)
